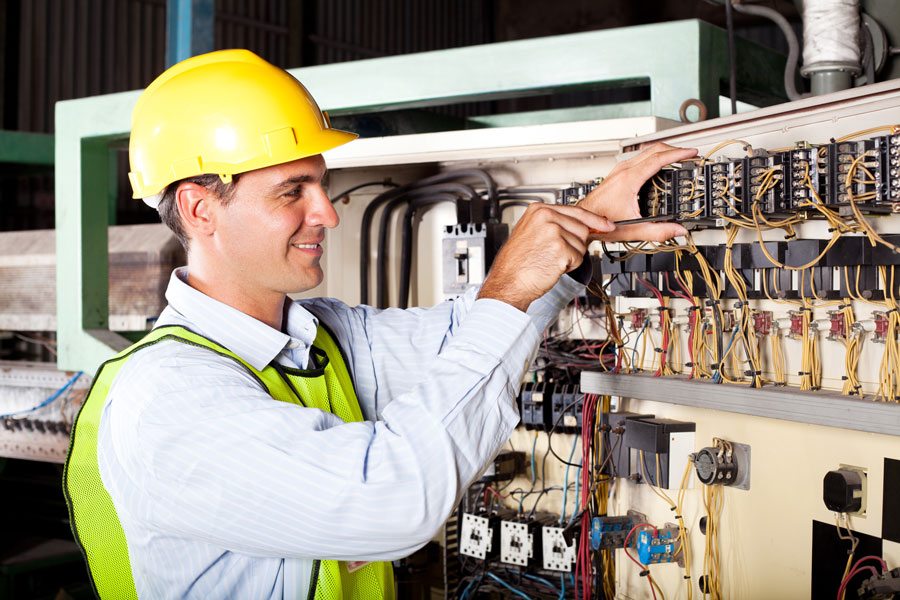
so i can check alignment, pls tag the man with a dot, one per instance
(254, 447)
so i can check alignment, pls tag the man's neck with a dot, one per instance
(266, 307)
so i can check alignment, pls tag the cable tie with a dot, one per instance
(806, 308)
(857, 386)
(712, 302)
(844, 378)
(689, 364)
(790, 237)
(801, 373)
(694, 308)
(831, 229)
(893, 310)
(686, 576)
(658, 350)
(645, 572)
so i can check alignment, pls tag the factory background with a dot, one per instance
(544, 99)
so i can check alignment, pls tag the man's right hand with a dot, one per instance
(547, 242)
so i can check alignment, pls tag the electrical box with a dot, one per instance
(660, 449)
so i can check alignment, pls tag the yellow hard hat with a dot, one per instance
(223, 113)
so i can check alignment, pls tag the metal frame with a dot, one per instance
(26, 148)
(679, 60)
(790, 404)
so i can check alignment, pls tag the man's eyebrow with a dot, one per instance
(291, 182)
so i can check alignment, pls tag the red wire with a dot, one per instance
(853, 573)
(665, 341)
(691, 325)
(884, 566)
(641, 565)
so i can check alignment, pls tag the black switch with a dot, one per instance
(842, 490)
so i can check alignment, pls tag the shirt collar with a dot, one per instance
(249, 338)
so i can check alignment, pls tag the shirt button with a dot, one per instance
(293, 344)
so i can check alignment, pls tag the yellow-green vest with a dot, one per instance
(326, 385)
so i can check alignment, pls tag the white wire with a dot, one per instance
(830, 31)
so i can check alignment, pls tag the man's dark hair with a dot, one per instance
(168, 208)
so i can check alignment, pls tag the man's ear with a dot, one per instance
(195, 205)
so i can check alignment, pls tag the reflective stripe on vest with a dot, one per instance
(327, 385)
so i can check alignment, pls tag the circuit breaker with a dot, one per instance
(467, 253)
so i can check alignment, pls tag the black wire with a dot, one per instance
(384, 227)
(365, 230)
(407, 241)
(732, 56)
(552, 429)
(385, 183)
(513, 203)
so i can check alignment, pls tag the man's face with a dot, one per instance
(271, 232)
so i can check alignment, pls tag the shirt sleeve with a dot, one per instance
(390, 350)
(210, 456)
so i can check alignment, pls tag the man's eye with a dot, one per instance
(294, 193)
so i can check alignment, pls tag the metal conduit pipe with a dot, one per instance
(365, 233)
(831, 49)
(458, 189)
(790, 67)
(412, 210)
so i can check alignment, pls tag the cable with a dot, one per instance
(406, 243)
(365, 234)
(515, 591)
(790, 67)
(421, 193)
(53, 397)
(732, 57)
(347, 192)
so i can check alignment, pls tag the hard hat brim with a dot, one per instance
(317, 143)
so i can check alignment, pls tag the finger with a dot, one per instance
(657, 160)
(573, 216)
(641, 232)
(576, 245)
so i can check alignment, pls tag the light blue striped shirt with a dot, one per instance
(224, 492)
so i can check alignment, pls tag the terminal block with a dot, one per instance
(689, 185)
(838, 327)
(881, 327)
(796, 330)
(762, 322)
(557, 554)
(725, 188)
(637, 317)
(610, 532)
(765, 187)
(656, 546)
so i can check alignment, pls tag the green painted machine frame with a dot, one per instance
(678, 61)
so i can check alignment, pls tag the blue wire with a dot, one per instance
(49, 400)
(518, 592)
(533, 472)
(717, 377)
(466, 591)
(634, 352)
(562, 586)
(562, 517)
(539, 580)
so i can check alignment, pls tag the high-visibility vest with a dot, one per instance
(327, 385)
